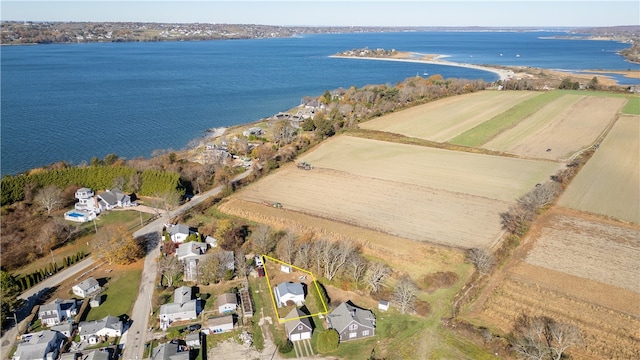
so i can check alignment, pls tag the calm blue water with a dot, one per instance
(74, 102)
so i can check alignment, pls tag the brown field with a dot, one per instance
(493, 177)
(417, 193)
(400, 209)
(444, 119)
(609, 184)
(588, 248)
(577, 269)
(566, 126)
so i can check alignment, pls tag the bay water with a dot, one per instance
(72, 102)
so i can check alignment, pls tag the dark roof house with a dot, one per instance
(352, 322)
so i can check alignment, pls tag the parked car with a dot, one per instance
(194, 327)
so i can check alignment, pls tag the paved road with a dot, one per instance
(32, 295)
(135, 338)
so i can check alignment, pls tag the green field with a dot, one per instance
(486, 131)
(121, 292)
(633, 106)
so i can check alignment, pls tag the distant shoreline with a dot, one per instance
(435, 60)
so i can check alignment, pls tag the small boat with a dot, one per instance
(517, 55)
(425, 73)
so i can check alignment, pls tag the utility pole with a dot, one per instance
(53, 260)
(94, 225)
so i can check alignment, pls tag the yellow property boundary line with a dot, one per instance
(273, 298)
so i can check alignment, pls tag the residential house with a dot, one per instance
(190, 250)
(219, 324)
(86, 200)
(227, 303)
(289, 291)
(170, 351)
(86, 287)
(113, 198)
(57, 311)
(107, 327)
(183, 307)
(41, 345)
(65, 328)
(352, 322)
(91, 355)
(298, 325)
(179, 233)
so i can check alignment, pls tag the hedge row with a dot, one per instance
(27, 281)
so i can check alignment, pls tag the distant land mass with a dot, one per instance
(29, 32)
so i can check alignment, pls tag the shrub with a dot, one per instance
(285, 347)
(328, 340)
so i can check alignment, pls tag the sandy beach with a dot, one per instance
(435, 60)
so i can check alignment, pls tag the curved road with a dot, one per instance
(135, 337)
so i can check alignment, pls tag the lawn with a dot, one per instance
(633, 106)
(121, 292)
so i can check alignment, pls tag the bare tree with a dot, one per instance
(517, 220)
(282, 132)
(286, 247)
(261, 241)
(168, 199)
(375, 274)
(169, 268)
(541, 196)
(405, 293)
(357, 267)
(50, 197)
(540, 337)
(242, 268)
(482, 259)
(335, 256)
(302, 254)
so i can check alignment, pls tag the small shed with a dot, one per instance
(383, 305)
(285, 269)
(219, 324)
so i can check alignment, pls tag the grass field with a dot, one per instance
(609, 184)
(121, 290)
(446, 118)
(633, 106)
(487, 130)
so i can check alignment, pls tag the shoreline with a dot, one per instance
(436, 60)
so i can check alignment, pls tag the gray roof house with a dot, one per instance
(57, 311)
(299, 327)
(289, 291)
(189, 250)
(352, 322)
(182, 308)
(91, 331)
(113, 198)
(170, 351)
(227, 303)
(41, 345)
(86, 287)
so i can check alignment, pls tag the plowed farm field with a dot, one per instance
(609, 184)
(417, 193)
(578, 269)
(561, 128)
(444, 119)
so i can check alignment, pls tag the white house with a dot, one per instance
(227, 303)
(289, 291)
(113, 198)
(219, 324)
(92, 331)
(86, 287)
(41, 345)
(57, 311)
(298, 326)
(383, 305)
(182, 308)
(179, 233)
(86, 200)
